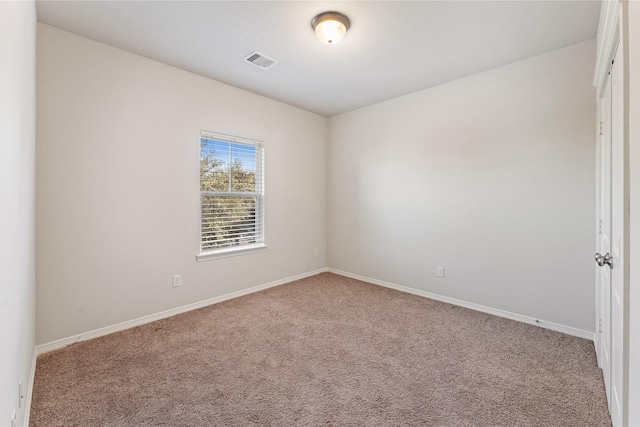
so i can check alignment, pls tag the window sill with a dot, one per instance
(229, 252)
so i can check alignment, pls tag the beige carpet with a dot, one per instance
(325, 350)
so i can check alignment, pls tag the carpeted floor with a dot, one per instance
(325, 350)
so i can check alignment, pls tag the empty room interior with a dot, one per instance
(320, 213)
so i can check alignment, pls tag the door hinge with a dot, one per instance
(601, 128)
(599, 325)
(600, 226)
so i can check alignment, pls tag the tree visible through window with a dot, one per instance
(231, 192)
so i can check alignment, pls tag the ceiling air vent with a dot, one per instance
(260, 60)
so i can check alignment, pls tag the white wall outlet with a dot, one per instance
(316, 252)
(177, 281)
(20, 393)
(440, 271)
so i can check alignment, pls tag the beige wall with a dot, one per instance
(490, 176)
(17, 202)
(117, 186)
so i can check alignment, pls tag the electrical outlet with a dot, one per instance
(316, 252)
(177, 281)
(440, 272)
(20, 394)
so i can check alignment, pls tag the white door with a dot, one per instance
(604, 243)
(617, 243)
(610, 256)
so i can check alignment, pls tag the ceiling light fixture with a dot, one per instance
(330, 27)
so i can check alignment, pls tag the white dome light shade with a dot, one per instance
(330, 27)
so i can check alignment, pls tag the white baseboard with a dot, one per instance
(495, 311)
(54, 345)
(32, 377)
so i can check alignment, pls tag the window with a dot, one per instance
(231, 196)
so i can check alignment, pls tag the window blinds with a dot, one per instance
(231, 192)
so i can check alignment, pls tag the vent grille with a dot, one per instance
(260, 60)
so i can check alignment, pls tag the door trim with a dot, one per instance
(608, 38)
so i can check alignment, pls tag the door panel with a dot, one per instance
(605, 241)
(616, 237)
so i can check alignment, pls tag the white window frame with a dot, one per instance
(260, 244)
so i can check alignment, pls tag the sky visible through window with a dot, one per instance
(225, 151)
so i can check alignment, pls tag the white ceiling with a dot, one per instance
(392, 48)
